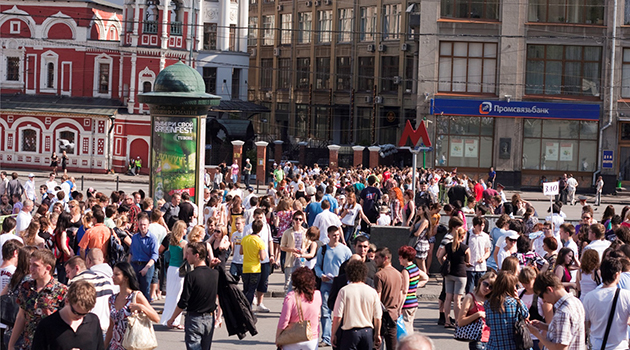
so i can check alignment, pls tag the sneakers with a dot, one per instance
(323, 344)
(262, 308)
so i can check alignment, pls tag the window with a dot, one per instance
(567, 11)
(389, 69)
(324, 26)
(209, 36)
(322, 72)
(305, 27)
(568, 145)
(368, 23)
(232, 43)
(364, 126)
(150, 24)
(210, 78)
(103, 78)
(366, 73)
(146, 86)
(29, 140)
(67, 141)
(481, 9)
(236, 83)
(625, 74)
(344, 73)
(266, 73)
(287, 26)
(50, 75)
(253, 31)
(301, 112)
(303, 72)
(391, 21)
(13, 68)
(15, 27)
(284, 73)
(321, 123)
(563, 70)
(468, 67)
(409, 73)
(345, 25)
(464, 141)
(268, 29)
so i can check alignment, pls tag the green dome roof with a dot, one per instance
(179, 77)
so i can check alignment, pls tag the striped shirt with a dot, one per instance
(104, 289)
(411, 301)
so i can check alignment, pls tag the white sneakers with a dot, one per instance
(262, 308)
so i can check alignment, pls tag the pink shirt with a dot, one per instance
(310, 310)
(234, 169)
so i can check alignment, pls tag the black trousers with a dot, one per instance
(357, 339)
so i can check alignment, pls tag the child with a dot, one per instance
(384, 218)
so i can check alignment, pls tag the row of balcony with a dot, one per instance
(151, 27)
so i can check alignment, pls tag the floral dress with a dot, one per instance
(284, 221)
(120, 321)
(38, 305)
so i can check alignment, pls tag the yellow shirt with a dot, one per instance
(251, 245)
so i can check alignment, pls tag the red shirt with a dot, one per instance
(478, 192)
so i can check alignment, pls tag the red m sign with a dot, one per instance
(415, 135)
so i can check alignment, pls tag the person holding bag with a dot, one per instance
(503, 310)
(471, 324)
(300, 313)
(174, 281)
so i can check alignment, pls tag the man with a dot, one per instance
(24, 217)
(51, 183)
(334, 205)
(488, 194)
(254, 252)
(314, 208)
(267, 261)
(29, 187)
(207, 181)
(38, 297)
(236, 267)
(597, 236)
(74, 326)
(4, 181)
(247, 202)
(598, 306)
(479, 244)
(492, 175)
(556, 219)
(171, 210)
(360, 308)
(76, 270)
(369, 199)
(600, 188)
(361, 248)
(389, 286)
(566, 330)
(329, 258)
(247, 171)
(415, 341)
(199, 296)
(95, 261)
(97, 236)
(157, 283)
(188, 210)
(14, 186)
(10, 251)
(143, 254)
(567, 231)
(278, 175)
(572, 184)
(478, 189)
(563, 187)
(294, 244)
(423, 196)
(457, 193)
(6, 234)
(326, 219)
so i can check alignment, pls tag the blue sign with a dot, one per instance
(608, 160)
(516, 109)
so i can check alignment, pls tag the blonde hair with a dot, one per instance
(196, 234)
(178, 231)
(459, 235)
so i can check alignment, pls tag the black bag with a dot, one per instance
(318, 281)
(445, 269)
(116, 251)
(8, 308)
(522, 337)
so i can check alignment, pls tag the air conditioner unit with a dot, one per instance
(276, 51)
(280, 7)
(378, 99)
(368, 99)
(327, 2)
(382, 48)
(309, 3)
(397, 80)
(252, 52)
(404, 47)
(317, 2)
(370, 48)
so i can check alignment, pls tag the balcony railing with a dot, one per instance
(150, 27)
(176, 28)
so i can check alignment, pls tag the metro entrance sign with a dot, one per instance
(417, 135)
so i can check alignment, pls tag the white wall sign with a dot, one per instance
(551, 188)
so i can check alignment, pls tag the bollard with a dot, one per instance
(82, 178)
(117, 180)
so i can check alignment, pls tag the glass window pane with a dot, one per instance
(441, 150)
(456, 151)
(558, 129)
(553, 78)
(531, 153)
(531, 127)
(485, 152)
(475, 49)
(489, 75)
(573, 53)
(487, 126)
(474, 75)
(444, 74)
(588, 156)
(465, 126)
(534, 77)
(572, 78)
(490, 50)
(459, 74)
(626, 55)
(445, 49)
(460, 49)
(442, 125)
(554, 52)
(535, 51)
(625, 80)
(588, 130)
(592, 53)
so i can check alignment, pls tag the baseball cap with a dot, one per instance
(31, 175)
(50, 192)
(250, 188)
(513, 235)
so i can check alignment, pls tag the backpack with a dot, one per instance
(115, 250)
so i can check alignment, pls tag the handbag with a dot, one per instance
(296, 332)
(610, 319)
(9, 308)
(522, 337)
(470, 332)
(185, 268)
(139, 334)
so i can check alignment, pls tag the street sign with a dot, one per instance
(551, 188)
(608, 160)
(417, 136)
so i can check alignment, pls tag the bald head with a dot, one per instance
(415, 341)
(356, 257)
(94, 257)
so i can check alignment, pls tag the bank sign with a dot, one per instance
(515, 109)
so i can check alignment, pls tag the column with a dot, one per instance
(358, 155)
(333, 156)
(374, 156)
(237, 155)
(261, 162)
(302, 152)
(278, 150)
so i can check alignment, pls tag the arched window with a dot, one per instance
(146, 86)
(50, 82)
(113, 33)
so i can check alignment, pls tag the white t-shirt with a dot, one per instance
(159, 231)
(5, 278)
(384, 220)
(351, 215)
(600, 246)
(22, 220)
(236, 240)
(597, 305)
(5, 237)
(478, 245)
(324, 220)
(501, 256)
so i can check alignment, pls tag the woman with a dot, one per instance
(458, 254)
(54, 162)
(220, 244)
(529, 220)
(550, 245)
(31, 237)
(519, 206)
(46, 231)
(174, 283)
(62, 250)
(501, 312)
(434, 212)
(309, 301)
(420, 236)
(409, 208)
(413, 278)
(511, 238)
(87, 223)
(538, 310)
(282, 221)
(64, 163)
(609, 212)
(589, 278)
(312, 237)
(349, 215)
(511, 265)
(565, 263)
(395, 206)
(300, 193)
(121, 305)
(527, 257)
(472, 309)
(236, 210)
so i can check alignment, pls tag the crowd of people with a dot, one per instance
(79, 266)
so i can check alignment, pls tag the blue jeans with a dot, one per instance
(199, 330)
(250, 282)
(357, 338)
(236, 270)
(326, 312)
(472, 279)
(144, 281)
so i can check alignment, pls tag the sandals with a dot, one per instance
(449, 326)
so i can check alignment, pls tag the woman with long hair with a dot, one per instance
(413, 278)
(458, 254)
(501, 312)
(282, 220)
(609, 212)
(565, 263)
(473, 309)
(236, 210)
(538, 310)
(303, 300)
(529, 220)
(420, 236)
(174, 283)
(396, 205)
(434, 214)
(54, 162)
(220, 244)
(589, 277)
(409, 208)
(124, 303)
(349, 214)
(62, 250)
(31, 237)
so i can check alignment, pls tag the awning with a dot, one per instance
(231, 129)
(59, 104)
(235, 106)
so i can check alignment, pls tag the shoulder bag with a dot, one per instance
(472, 331)
(9, 308)
(610, 319)
(139, 334)
(522, 337)
(296, 332)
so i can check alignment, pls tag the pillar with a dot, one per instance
(278, 151)
(374, 156)
(237, 156)
(302, 152)
(333, 156)
(358, 155)
(261, 162)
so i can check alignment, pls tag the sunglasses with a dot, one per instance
(218, 231)
(77, 313)
(298, 219)
(486, 284)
